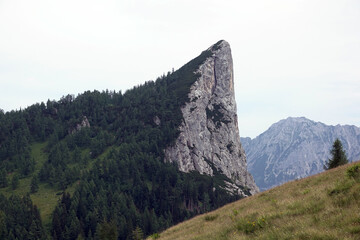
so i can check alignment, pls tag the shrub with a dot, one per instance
(250, 226)
(341, 187)
(211, 217)
(354, 172)
(155, 236)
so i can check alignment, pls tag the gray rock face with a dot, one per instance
(84, 123)
(209, 136)
(295, 148)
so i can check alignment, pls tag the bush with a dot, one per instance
(354, 172)
(250, 226)
(341, 187)
(211, 217)
(155, 236)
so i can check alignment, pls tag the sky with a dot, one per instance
(291, 57)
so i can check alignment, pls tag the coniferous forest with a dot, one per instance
(108, 148)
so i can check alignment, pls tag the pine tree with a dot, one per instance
(338, 156)
(138, 234)
(3, 229)
(34, 185)
(107, 231)
(15, 181)
(3, 179)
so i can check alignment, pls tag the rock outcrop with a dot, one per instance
(209, 140)
(295, 148)
(83, 124)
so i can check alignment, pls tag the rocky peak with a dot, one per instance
(209, 140)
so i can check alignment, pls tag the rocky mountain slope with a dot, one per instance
(209, 136)
(295, 148)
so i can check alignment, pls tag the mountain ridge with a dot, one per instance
(296, 147)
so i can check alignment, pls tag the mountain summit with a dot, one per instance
(209, 138)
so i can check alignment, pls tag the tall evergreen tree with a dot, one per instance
(3, 229)
(15, 181)
(3, 179)
(338, 156)
(107, 231)
(34, 185)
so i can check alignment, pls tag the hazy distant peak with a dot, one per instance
(295, 120)
(296, 147)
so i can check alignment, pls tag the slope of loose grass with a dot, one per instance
(324, 206)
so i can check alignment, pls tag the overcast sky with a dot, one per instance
(291, 58)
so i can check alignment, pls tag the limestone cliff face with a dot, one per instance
(209, 136)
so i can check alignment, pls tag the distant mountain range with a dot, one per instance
(295, 148)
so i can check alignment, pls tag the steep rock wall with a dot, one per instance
(209, 136)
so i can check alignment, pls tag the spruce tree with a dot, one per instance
(107, 230)
(3, 178)
(15, 181)
(138, 234)
(34, 185)
(3, 228)
(338, 156)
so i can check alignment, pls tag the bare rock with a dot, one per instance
(84, 123)
(157, 120)
(209, 136)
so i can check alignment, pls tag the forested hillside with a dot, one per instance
(99, 158)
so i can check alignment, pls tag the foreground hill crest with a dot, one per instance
(324, 206)
(209, 136)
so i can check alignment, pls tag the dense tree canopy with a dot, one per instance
(20, 219)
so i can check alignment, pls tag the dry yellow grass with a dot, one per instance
(324, 206)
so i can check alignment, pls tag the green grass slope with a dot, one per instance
(324, 206)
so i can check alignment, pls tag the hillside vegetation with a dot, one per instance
(324, 206)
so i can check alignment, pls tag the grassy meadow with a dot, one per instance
(324, 206)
